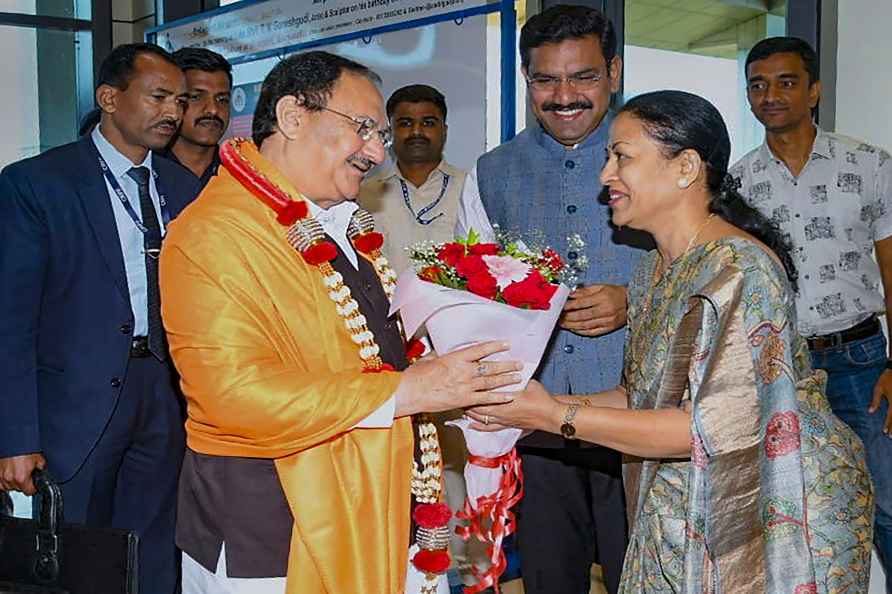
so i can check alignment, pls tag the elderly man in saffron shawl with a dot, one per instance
(275, 299)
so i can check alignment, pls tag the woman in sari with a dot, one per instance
(738, 477)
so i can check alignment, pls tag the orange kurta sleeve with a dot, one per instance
(269, 370)
(259, 390)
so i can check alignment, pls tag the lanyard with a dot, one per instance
(119, 192)
(427, 208)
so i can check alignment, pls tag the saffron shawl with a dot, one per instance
(270, 371)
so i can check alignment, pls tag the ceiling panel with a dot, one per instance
(679, 24)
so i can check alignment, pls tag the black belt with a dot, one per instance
(139, 348)
(864, 329)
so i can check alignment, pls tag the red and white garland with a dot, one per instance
(306, 235)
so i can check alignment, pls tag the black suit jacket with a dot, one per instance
(65, 317)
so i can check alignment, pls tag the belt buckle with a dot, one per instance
(836, 340)
(139, 347)
(825, 341)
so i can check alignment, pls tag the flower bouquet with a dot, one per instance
(465, 292)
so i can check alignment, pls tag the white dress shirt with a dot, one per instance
(131, 238)
(471, 213)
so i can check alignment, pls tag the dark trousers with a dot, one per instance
(129, 480)
(572, 515)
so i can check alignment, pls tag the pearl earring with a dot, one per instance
(683, 183)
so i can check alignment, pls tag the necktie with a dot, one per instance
(152, 248)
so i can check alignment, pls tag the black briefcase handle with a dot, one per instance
(33, 566)
(46, 556)
(49, 526)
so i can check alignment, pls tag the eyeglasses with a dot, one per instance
(368, 127)
(576, 81)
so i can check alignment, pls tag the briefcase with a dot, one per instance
(46, 556)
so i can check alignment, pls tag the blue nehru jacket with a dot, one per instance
(534, 183)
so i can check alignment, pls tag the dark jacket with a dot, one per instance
(65, 316)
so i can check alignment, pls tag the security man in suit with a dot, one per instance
(87, 386)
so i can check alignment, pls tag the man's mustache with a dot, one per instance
(210, 118)
(167, 122)
(551, 106)
(418, 139)
(367, 164)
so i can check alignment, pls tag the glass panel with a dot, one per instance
(700, 46)
(56, 8)
(40, 72)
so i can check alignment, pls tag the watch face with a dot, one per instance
(568, 430)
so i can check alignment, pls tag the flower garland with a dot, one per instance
(307, 236)
(431, 515)
(361, 231)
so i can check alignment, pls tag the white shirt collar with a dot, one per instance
(334, 221)
(117, 162)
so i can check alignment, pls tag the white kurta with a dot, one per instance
(198, 580)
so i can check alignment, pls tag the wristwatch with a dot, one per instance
(568, 429)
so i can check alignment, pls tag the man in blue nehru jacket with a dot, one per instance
(546, 180)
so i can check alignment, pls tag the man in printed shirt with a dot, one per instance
(417, 199)
(833, 196)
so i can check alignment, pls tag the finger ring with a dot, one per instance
(481, 370)
(486, 419)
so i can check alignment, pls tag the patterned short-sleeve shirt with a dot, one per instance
(834, 212)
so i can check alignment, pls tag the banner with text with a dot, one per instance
(243, 102)
(275, 24)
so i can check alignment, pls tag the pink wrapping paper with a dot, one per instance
(456, 319)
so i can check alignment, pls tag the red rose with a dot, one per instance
(431, 561)
(369, 242)
(469, 266)
(292, 212)
(431, 515)
(484, 249)
(533, 292)
(483, 284)
(319, 252)
(548, 291)
(414, 349)
(430, 273)
(451, 253)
